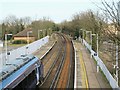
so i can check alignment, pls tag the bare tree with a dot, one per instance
(41, 24)
(12, 24)
(112, 30)
(26, 21)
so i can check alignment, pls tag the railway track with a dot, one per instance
(62, 68)
(66, 71)
(54, 66)
(49, 59)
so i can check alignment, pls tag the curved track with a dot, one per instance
(65, 75)
(61, 70)
(50, 58)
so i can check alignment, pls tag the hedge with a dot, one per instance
(19, 42)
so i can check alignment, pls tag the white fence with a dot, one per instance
(104, 69)
(75, 77)
(27, 49)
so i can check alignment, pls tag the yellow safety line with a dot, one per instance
(84, 70)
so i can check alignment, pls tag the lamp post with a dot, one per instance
(117, 63)
(1, 46)
(82, 34)
(44, 31)
(96, 41)
(97, 49)
(97, 46)
(6, 46)
(39, 33)
(28, 36)
(88, 32)
(47, 31)
(90, 41)
(50, 31)
(117, 67)
(80, 37)
(28, 40)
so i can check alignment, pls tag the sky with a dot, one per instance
(56, 10)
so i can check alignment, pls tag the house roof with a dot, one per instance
(24, 33)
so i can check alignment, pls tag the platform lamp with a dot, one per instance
(6, 58)
(39, 33)
(28, 37)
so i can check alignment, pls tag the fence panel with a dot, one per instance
(104, 69)
(27, 49)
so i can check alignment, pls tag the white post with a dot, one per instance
(28, 39)
(1, 58)
(90, 39)
(44, 32)
(117, 68)
(79, 35)
(117, 63)
(49, 31)
(91, 44)
(28, 42)
(97, 54)
(97, 49)
(6, 48)
(38, 34)
(1, 46)
(83, 36)
(97, 45)
(28, 35)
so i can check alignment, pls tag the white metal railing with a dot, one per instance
(27, 49)
(104, 69)
(75, 78)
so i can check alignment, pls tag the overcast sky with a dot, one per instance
(57, 10)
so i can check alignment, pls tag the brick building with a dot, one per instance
(26, 35)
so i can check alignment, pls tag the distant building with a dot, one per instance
(23, 35)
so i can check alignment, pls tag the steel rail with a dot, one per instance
(52, 66)
(70, 66)
(68, 72)
(55, 80)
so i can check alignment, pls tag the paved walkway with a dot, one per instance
(40, 52)
(87, 76)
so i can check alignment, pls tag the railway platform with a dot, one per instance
(45, 48)
(40, 52)
(86, 75)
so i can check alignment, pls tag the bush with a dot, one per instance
(20, 42)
